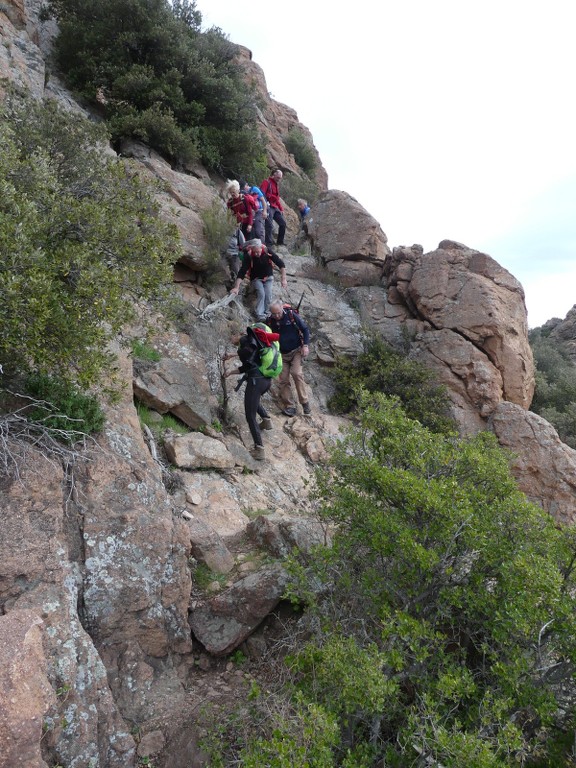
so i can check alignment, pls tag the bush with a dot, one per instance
(555, 391)
(146, 65)
(219, 226)
(82, 244)
(380, 368)
(439, 626)
(298, 145)
(63, 406)
(295, 187)
(156, 127)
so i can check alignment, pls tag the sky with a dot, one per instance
(445, 120)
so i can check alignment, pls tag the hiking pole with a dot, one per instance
(300, 302)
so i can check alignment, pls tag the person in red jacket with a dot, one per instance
(242, 206)
(270, 188)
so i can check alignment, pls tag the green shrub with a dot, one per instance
(82, 244)
(63, 407)
(159, 426)
(300, 146)
(555, 391)
(295, 187)
(141, 350)
(156, 127)
(219, 225)
(380, 368)
(154, 75)
(427, 643)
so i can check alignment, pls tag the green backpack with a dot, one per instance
(269, 359)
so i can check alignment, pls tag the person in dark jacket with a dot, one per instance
(294, 346)
(256, 385)
(258, 264)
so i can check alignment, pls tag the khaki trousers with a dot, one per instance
(292, 368)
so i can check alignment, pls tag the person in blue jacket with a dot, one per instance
(294, 346)
(261, 214)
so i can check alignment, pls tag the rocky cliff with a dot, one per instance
(109, 646)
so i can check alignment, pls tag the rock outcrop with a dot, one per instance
(347, 239)
(543, 465)
(464, 315)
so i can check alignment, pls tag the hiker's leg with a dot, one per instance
(281, 221)
(258, 227)
(251, 403)
(263, 386)
(298, 376)
(268, 241)
(268, 286)
(260, 289)
(233, 264)
(284, 382)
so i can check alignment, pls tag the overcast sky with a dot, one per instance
(446, 119)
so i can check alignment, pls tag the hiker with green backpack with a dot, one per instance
(261, 362)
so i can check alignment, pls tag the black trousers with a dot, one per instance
(256, 386)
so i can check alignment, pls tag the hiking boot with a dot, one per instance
(306, 410)
(290, 411)
(258, 453)
(265, 424)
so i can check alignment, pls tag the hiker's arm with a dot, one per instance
(241, 274)
(236, 287)
(281, 266)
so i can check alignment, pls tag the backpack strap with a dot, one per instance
(290, 313)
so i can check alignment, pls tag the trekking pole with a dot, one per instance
(300, 302)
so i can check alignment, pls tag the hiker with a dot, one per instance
(257, 383)
(262, 212)
(303, 211)
(275, 210)
(233, 253)
(258, 266)
(294, 341)
(242, 206)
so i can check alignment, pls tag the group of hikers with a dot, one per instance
(275, 346)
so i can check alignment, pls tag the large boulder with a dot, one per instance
(347, 239)
(225, 621)
(543, 465)
(464, 315)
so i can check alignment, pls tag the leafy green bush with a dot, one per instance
(555, 392)
(156, 127)
(81, 244)
(295, 187)
(380, 368)
(440, 625)
(63, 406)
(219, 225)
(299, 145)
(148, 67)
